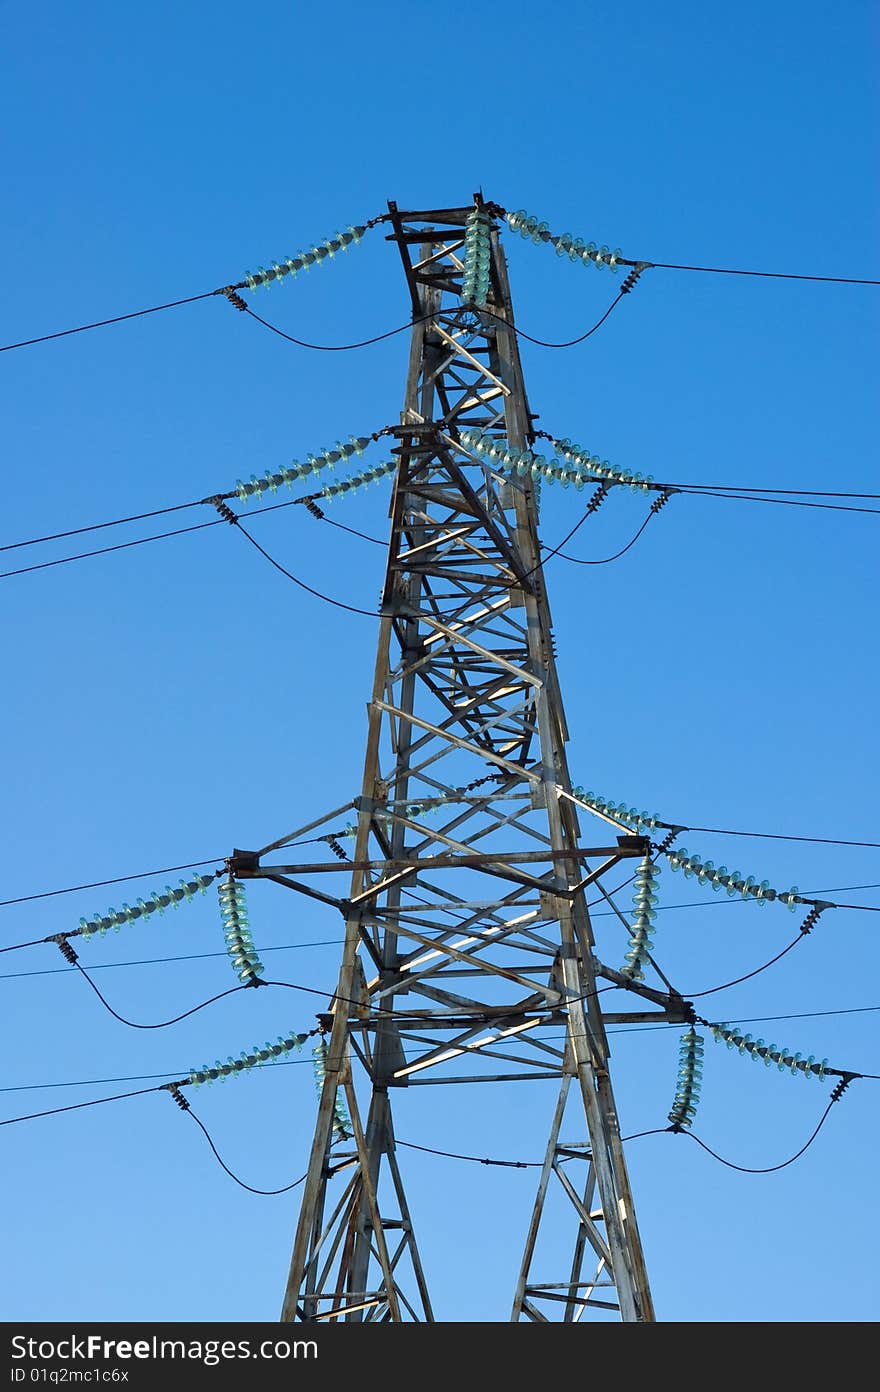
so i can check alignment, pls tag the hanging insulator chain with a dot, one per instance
(566, 245)
(156, 903)
(270, 482)
(731, 880)
(644, 913)
(629, 816)
(253, 1058)
(356, 481)
(575, 466)
(239, 943)
(784, 1058)
(341, 1121)
(690, 1072)
(304, 260)
(477, 259)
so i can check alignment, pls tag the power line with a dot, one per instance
(764, 275)
(794, 492)
(543, 343)
(162, 1024)
(660, 908)
(353, 531)
(769, 1169)
(337, 603)
(645, 265)
(477, 1159)
(157, 961)
(695, 491)
(716, 903)
(77, 1106)
(781, 836)
(104, 550)
(101, 884)
(695, 995)
(210, 860)
(285, 1189)
(760, 1020)
(98, 526)
(578, 560)
(102, 323)
(624, 1029)
(340, 347)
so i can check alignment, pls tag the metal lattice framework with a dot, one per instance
(467, 927)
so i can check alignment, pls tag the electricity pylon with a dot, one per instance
(468, 865)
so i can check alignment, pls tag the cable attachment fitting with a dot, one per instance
(812, 917)
(174, 1089)
(224, 510)
(65, 949)
(312, 507)
(233, 297)
(662, 499)
(598, 498)
(662, 846)
(633, 277)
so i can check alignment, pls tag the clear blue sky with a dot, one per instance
(166, 703)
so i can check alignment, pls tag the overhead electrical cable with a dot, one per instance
(606, 560)
(285, 1189)
(161, 1024)
(118, 879)
(764, 275)
(105, 550)
(771, 1169)
(328, 599)
(623, 1029)
(531, 229)
(661, 908)
(161, 961)
(691, 490)
(102, 323)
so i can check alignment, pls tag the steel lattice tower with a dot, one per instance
(467, 924)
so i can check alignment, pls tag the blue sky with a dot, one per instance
(166, 703)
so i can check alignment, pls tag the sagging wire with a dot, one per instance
(184, 1105)
(69, 954)
(836, 1095)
